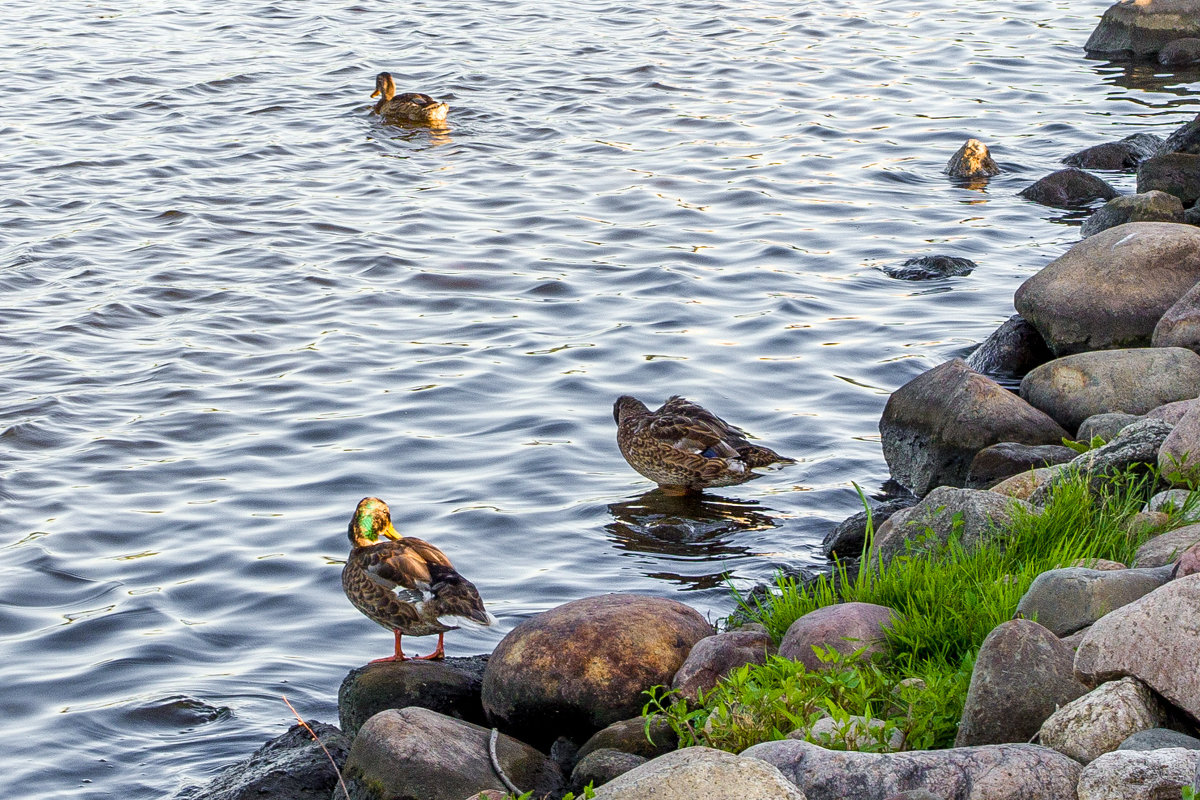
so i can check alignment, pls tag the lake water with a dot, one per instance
(235, 303)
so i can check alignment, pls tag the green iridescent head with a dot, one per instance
(371, 520)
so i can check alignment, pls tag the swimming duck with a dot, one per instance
(405, 584)
(685, 448)
(407, 107)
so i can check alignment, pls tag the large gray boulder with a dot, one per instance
(933, 426)
(1106, 426)
(1159, 739)
(1166, 548)
(574, 669)
(701, 772)
(1109, 290)
(1070, 187)
(1135, 445)
(991, 772)
(1175, 174)
(971, 514)
(1072, 388)
(1150, 206)
(1141, 28)
(1066, 600)
(1155, 639)
(1010, 351)
(844, 627)
(450, 687)
(1179, 326)
(289, 767)
(1138, 774)
(1097, 722)
(1179, 456)
(1022, 674)
(996, 462)
(418, 754)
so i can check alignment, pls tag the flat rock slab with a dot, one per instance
(1166, 548)
(701, 772)
(1132, 381)
(1155, 639)
(1110, 290)
(991, 772)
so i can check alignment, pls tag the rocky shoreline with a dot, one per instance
(1100, 667)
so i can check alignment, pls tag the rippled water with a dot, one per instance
(235, 303)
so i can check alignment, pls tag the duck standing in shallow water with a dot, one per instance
(406, 585)
(685, 448)
(407, 107)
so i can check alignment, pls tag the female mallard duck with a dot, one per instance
(684, 448)
(407, 107)
(405, 584)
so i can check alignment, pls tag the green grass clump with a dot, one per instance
(947, 601)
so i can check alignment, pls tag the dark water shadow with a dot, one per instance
(693, 526)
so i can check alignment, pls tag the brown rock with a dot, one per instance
(1189, 562)
(972, 160)
(1142, 29)
(1110, 290)
(845, 627)
(713, 658)
(1068, 188)
(634, 736)
(1177, 174)
(1022, 487)
(581, 666)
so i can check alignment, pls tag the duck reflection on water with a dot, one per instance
(696, 526)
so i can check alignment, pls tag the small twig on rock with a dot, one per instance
(512, 787)
(317, 739)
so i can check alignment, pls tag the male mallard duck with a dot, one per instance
(405, 584)
(407, 107)
(685, 448)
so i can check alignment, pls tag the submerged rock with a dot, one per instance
(1124, 155)
(1180, 52)
(924, 268)
(972, 160)
(576, 668)
(1110, 290)
(1068, 188)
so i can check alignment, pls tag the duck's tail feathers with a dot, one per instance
(481, 618)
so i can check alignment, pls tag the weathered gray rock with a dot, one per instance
(991, 772)
(1109, 290)
(1065, 600)
(1011, 350)
(701, 772)
(713, 658)
(848, 538)
(1171, 413)
(1142, 29)
(450, 687)
(574, 669)
(1068, 188)
(1189, 562)
(1159, 739)
(417, 754)
(972, 161)
(1122, 156)
(1180, 52)
(927, 268)
(1095, 724)
(971, 514)
(855, 733)
(1176, 174)
(1166, 548)
(1155, 639)
(1184, 139)
(1022, 674)
(1138, 774)
(1179, 325)
(601, 766)
(996, 462)
(1025, 485)
(933, 426)
(1136, 445)
(289, 767)
(1179, 456)
(1151, 206)
(633, 736)
(1178, 501)
(1106, 426)
(845, 627)
(1072, 388)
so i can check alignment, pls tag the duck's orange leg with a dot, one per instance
(399, 656)
(437, 654)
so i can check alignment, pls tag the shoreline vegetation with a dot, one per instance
(1024, 625)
